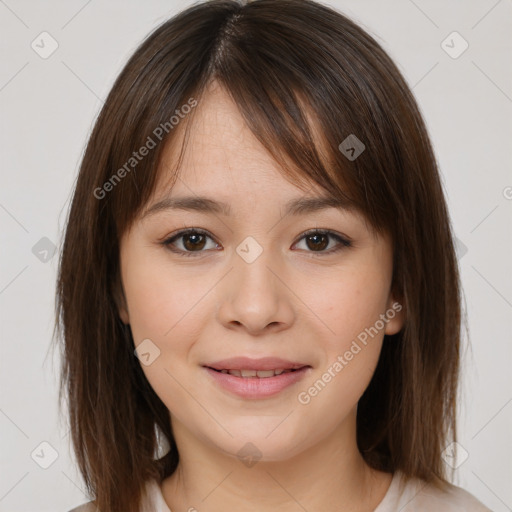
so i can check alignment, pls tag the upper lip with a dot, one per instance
(247, 363)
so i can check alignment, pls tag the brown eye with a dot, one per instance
(317, 240)
(193, 241)
(190, 242)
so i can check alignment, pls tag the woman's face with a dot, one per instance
(251, 285)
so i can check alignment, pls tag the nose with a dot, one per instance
(256, 297)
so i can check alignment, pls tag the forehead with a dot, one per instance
(220, 153)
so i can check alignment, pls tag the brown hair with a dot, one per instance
(286, 64)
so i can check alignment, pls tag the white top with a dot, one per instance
(415, 496)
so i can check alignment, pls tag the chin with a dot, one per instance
(257, 442)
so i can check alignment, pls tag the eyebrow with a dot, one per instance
(203, 204)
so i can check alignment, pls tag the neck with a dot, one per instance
(329, 475)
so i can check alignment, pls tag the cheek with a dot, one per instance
(160, 300)
(350, 305)
(350, 301)
(165, 307)
(351, 353)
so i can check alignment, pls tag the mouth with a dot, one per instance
(260, 374)
(256, 378)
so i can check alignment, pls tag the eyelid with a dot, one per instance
(167, 241)
(343, 241)
(325, 231)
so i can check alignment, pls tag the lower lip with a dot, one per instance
(254, 387)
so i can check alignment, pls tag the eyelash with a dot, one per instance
(343, 242)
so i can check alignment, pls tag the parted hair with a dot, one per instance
(304, 78)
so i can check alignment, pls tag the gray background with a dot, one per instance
(47, 110)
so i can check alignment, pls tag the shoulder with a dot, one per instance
(419, 495)
(152, 500)
(86, 507)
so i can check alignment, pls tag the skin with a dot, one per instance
(292, 302)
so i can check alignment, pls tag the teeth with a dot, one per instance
(262, 374)
(265, 373)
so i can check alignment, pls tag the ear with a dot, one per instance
(123, 313)
(120, 301)
(395, 313)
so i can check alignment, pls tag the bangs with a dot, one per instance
(293, 139)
